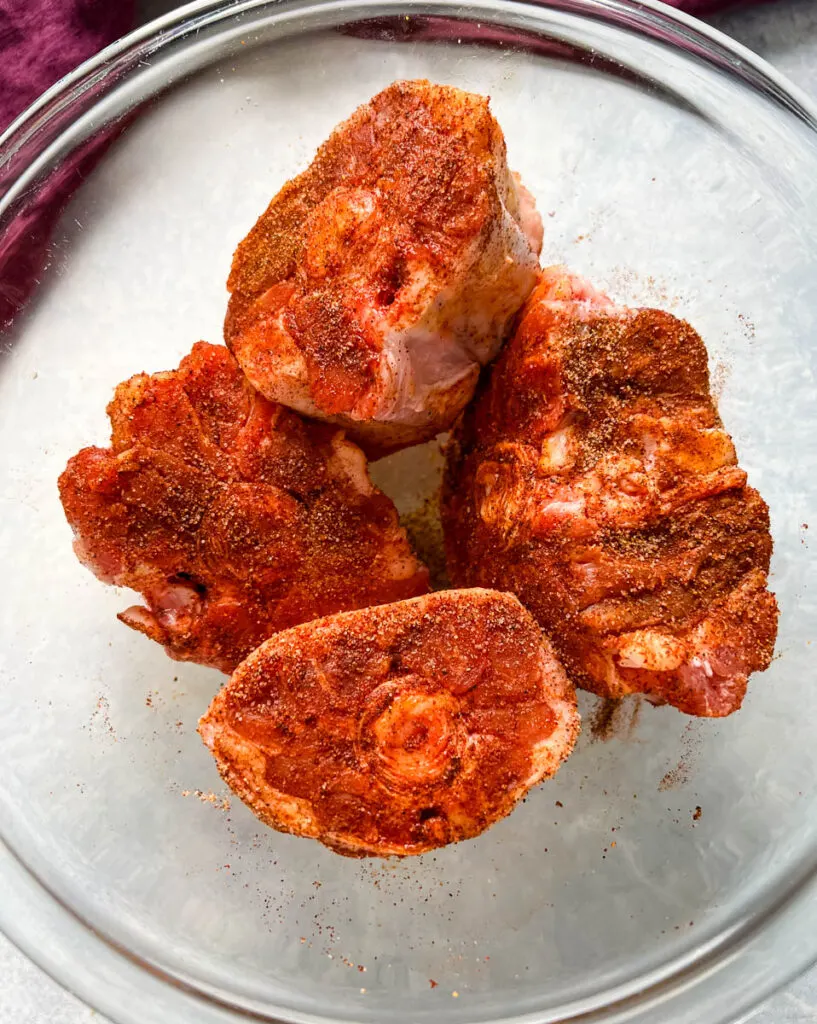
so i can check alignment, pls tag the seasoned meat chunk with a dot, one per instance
(594, 479)
(379, 280)
(397, 729)
(232, 516)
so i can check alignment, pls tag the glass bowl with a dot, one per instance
(671, 865)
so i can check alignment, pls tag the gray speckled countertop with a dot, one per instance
(785, 33)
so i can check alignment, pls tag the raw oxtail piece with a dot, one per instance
(232, 516)
(397, 729)
(379, 280)
(594, 479)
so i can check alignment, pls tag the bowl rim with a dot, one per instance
(97, 969)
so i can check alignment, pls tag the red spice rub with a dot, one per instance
(594, 479)
(379, 280)
(233, 517)
(394, 730)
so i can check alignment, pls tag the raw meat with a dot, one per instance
(394, 730)
(233, 517)
(380, 279)
(594, 479)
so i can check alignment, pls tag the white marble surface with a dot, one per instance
(785, 33)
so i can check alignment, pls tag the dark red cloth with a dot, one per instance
(40, 41)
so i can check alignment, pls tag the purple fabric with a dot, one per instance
(40, 41)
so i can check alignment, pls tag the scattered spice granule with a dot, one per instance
(615, 719)
(697, 815)
(432, 982)
(602, 723)
(103, 709)
(455, 995)
(612, 846)
(219, 802)
(559, 803)
(682, 772)
(749, 326)
(719, 379)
